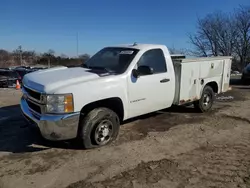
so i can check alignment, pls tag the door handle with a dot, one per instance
(165, 80)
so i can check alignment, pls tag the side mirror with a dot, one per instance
(142, 70)
(135, 73)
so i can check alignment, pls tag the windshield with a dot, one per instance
(21, 73)
(112, 59)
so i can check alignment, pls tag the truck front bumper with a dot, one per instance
(53, 127)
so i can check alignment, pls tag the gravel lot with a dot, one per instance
(172, 148)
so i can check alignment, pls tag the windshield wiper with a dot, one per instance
(98, 68)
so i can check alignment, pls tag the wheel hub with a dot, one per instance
(206, 100)
(103, 132)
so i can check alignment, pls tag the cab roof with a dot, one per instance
(140, 46)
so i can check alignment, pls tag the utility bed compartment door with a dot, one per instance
(189, 84)
(211, 69)
(226, 74)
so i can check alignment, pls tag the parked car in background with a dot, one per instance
(8, 78)
(36, 69)
(245, 78)
(235, 72)
(21, 67)
(22, 72)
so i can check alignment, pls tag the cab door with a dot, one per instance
(153, 92)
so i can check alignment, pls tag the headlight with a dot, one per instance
(59, 103)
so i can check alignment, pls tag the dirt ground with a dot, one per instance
(172, 148)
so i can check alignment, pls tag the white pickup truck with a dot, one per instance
(118, 83)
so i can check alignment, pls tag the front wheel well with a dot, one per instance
(115, 104)
(214, 86)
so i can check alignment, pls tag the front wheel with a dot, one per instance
(100, 127)
(206, 101)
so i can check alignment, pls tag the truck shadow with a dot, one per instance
(189, 109)
(16, 136)
(173, 110)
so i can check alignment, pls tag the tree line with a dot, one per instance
(224, 34)
(20, 57)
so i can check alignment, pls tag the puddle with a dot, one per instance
(223, 98)
(232, 95)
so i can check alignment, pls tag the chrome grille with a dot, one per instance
(34, 100)
(33, 94)
(35, 107)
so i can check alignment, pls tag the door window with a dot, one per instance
(155, 59)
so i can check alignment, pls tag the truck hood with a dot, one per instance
(51, 79)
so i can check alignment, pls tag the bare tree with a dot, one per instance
(216, 35)
(4, 57)
(18, 55)
(242, 45)
(173, 50)
(84, 57)
(51, 52)
(49, 55)
(63, 56)
(28, 57)
(201, 46)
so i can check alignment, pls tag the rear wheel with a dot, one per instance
(100, 127)
(206, 101)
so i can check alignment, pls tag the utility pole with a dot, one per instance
(49, 62)
(20, 54)
(77, 44)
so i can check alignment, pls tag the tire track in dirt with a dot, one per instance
(210, 167)
(27, 164)
(163, 121)
(221, 164)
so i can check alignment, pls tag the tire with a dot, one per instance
(206, 101)
(95, 123)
